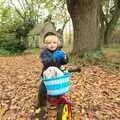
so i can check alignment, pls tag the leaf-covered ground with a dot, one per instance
(95, 91)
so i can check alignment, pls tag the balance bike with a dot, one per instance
(57, 89)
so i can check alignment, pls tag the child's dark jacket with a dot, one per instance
(48, 60)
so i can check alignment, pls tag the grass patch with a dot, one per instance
(112, 56)
(32, 51)
(112, 65)
(109, 57)
(5, 52)
(92, 57)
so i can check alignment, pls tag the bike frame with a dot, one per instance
(58, 99)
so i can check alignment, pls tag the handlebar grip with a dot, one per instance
(74, 70)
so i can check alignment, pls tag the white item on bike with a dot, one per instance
(52, 72)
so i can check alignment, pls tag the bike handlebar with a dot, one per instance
(75, 70)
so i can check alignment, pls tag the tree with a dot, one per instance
(8, 21)
(85, 18)
(109, 17)
(55, 8)
(30, 12)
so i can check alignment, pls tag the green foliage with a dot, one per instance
(92, 57)
(109, 57)
(32, 51)
(112, 65)
(112, 56)
(118, 25)
(9, 19)
(4, 52)
(12, 46)
(20, 18)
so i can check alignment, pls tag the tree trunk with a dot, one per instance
(84, 14)
(103, 22)
(110, 27)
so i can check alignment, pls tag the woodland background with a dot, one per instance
(89, 31)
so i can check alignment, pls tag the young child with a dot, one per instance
(50, 56)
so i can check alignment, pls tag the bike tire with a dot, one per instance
(64, 112)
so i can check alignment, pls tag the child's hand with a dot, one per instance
(38, 84)
(58, 55)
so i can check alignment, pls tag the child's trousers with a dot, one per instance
(42, 95)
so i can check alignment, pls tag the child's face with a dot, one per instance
(51, 42)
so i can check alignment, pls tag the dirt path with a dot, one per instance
(96, 92)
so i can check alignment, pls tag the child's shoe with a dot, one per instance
(41, 113)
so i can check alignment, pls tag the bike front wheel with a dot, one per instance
(64, 111)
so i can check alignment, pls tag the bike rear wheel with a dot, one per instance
(64, 112)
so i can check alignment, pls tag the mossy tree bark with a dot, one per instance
(85, 18)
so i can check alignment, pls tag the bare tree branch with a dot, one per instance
(65, 24)
(21, 5)
(17, 10)
(103, 16)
